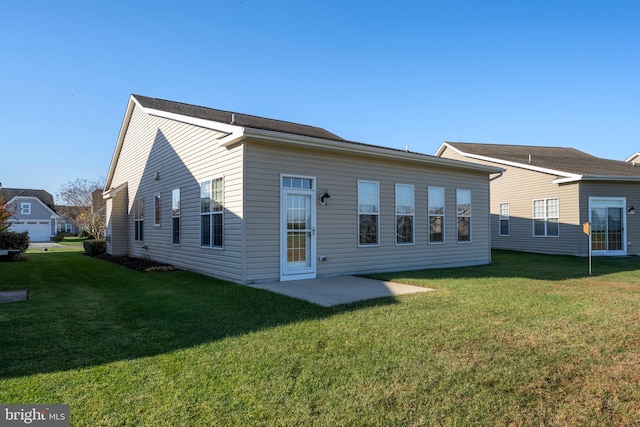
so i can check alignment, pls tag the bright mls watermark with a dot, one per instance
(34, 415)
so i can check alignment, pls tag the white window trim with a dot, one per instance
(224, 208)
(470, 216)
(362, 245)
(429, 215)
(504, 218)
(173, 215)
(136, 219)
(25, 208)
(157, 200)
(413, 215)
(546, 218)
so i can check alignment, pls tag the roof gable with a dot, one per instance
(236, 119)
(45, 197)
(562, 161)
(232, 128)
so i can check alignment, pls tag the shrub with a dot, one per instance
(59, 237)
(84, 234)
(94, 247)
(14, 240)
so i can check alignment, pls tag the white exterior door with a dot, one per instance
(297, 228)
(608, 219)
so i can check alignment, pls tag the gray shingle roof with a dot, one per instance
(562, 159)
(238, 119)
(44, 196)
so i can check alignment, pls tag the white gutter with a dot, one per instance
(597, 178)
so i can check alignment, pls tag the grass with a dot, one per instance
(528, 340)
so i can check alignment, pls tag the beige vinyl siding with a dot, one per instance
(630, 191)
(337, 224)
(520, 187)
(183, 155)
(117, 223)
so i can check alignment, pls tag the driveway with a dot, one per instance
(330, 291)
(44, 245)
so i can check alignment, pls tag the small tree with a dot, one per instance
(6, 212)
(86, 197)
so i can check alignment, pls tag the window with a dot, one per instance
(138, 220)
(463, 203)
(25, 208)
(175, 215)
(368, 213)
(546, 218)
(211, 213)
(504, 219)
(64, 228)
(404, 214)
(157, 210)
(436, 214)
(301, 183)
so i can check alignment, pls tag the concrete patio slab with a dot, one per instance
(13, 296)
(330, 291)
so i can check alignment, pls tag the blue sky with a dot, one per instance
(416, 73)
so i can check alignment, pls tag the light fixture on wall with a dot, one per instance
(324, 199)
(631, 210)
(156, 176)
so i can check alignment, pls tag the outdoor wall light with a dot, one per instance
(156, 176)
(324, 199)
(631, 210)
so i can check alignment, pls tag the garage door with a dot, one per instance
(39, 231)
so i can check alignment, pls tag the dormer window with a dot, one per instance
(25, 208)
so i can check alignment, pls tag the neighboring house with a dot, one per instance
(250, 199)
(70, 215)
(635, 158)
(34, 212)
(546, 193)
(67, 221)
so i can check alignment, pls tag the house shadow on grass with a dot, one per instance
(87, 312)
(513, 264)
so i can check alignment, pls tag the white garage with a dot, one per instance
(39, 231)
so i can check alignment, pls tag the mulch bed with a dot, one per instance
(138, 264)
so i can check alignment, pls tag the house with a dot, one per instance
(72, 216)
(635, 158)
(34, 212)
(67, 223)
(545, 194)
(251, 199)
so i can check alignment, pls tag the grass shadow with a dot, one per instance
(85, 312)
(511, 264)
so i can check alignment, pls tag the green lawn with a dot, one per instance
(528, 340)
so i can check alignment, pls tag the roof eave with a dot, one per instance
(123, 130)
(566, 175)
(360, 149)
(633, 156)
(618, 178)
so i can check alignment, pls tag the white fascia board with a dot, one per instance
(635, 155)
(123, 131)
(358, 148)
(111, 192)
(567, 175)
(232, 138)
(446, 145)
(598, 178)
(208, 124)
